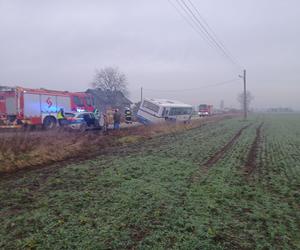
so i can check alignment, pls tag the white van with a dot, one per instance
(161, 110)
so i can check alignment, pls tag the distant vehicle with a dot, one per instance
(83, 120)
(205, 110)
(24, 106)
(161, 110)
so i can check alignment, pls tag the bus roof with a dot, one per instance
(169, 103)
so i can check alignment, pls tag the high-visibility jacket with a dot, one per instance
(60, 115)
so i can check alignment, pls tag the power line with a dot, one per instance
(212, 31)
(190, 21)
(196, 21)
(199, 88)
(216, 43)
(184, 17)
(195, 25)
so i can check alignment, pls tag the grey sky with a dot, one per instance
(58, 44)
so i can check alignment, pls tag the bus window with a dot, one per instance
(180, 111)
(78, 102)
(174, 111)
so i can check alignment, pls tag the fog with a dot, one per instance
(59, 44)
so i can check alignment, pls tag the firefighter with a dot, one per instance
(128, 115)
(61, 117)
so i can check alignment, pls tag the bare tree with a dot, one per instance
(110, 78)
(249, 99)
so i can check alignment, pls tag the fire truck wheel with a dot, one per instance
(49, 122)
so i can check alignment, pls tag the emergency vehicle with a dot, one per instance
(23, 106)
(205, 110)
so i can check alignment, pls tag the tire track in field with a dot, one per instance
(220, 153)
(252, 158)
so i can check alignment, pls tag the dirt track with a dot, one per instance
(219, 154)
(251, 162)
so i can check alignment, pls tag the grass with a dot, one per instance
(21, 150)
(144, 195)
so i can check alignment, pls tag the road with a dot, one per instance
(13, 132)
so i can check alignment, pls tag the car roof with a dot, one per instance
(79, 113)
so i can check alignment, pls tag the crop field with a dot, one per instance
(229, 184)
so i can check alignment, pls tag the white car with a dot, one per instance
(83, 120)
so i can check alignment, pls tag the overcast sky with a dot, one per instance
(59, 44)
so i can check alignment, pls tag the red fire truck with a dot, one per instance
(205, 110)
(23, 106)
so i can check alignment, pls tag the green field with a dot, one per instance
(232, 184)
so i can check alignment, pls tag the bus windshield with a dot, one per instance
(151, 106)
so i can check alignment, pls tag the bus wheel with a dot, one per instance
(49, 122)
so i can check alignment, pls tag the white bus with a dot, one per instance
(161, 110)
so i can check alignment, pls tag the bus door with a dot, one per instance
(165, 113)
(171, 114)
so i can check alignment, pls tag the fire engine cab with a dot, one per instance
(205, 110)
(23, 106)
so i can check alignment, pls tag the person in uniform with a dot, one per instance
(61, 117)
(128, 115)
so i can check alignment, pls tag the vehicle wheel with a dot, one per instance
(49, 122)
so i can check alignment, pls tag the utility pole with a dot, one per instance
(245, 96)
(141, 94)
(244, 76)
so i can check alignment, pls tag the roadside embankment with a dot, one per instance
(21, 150)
